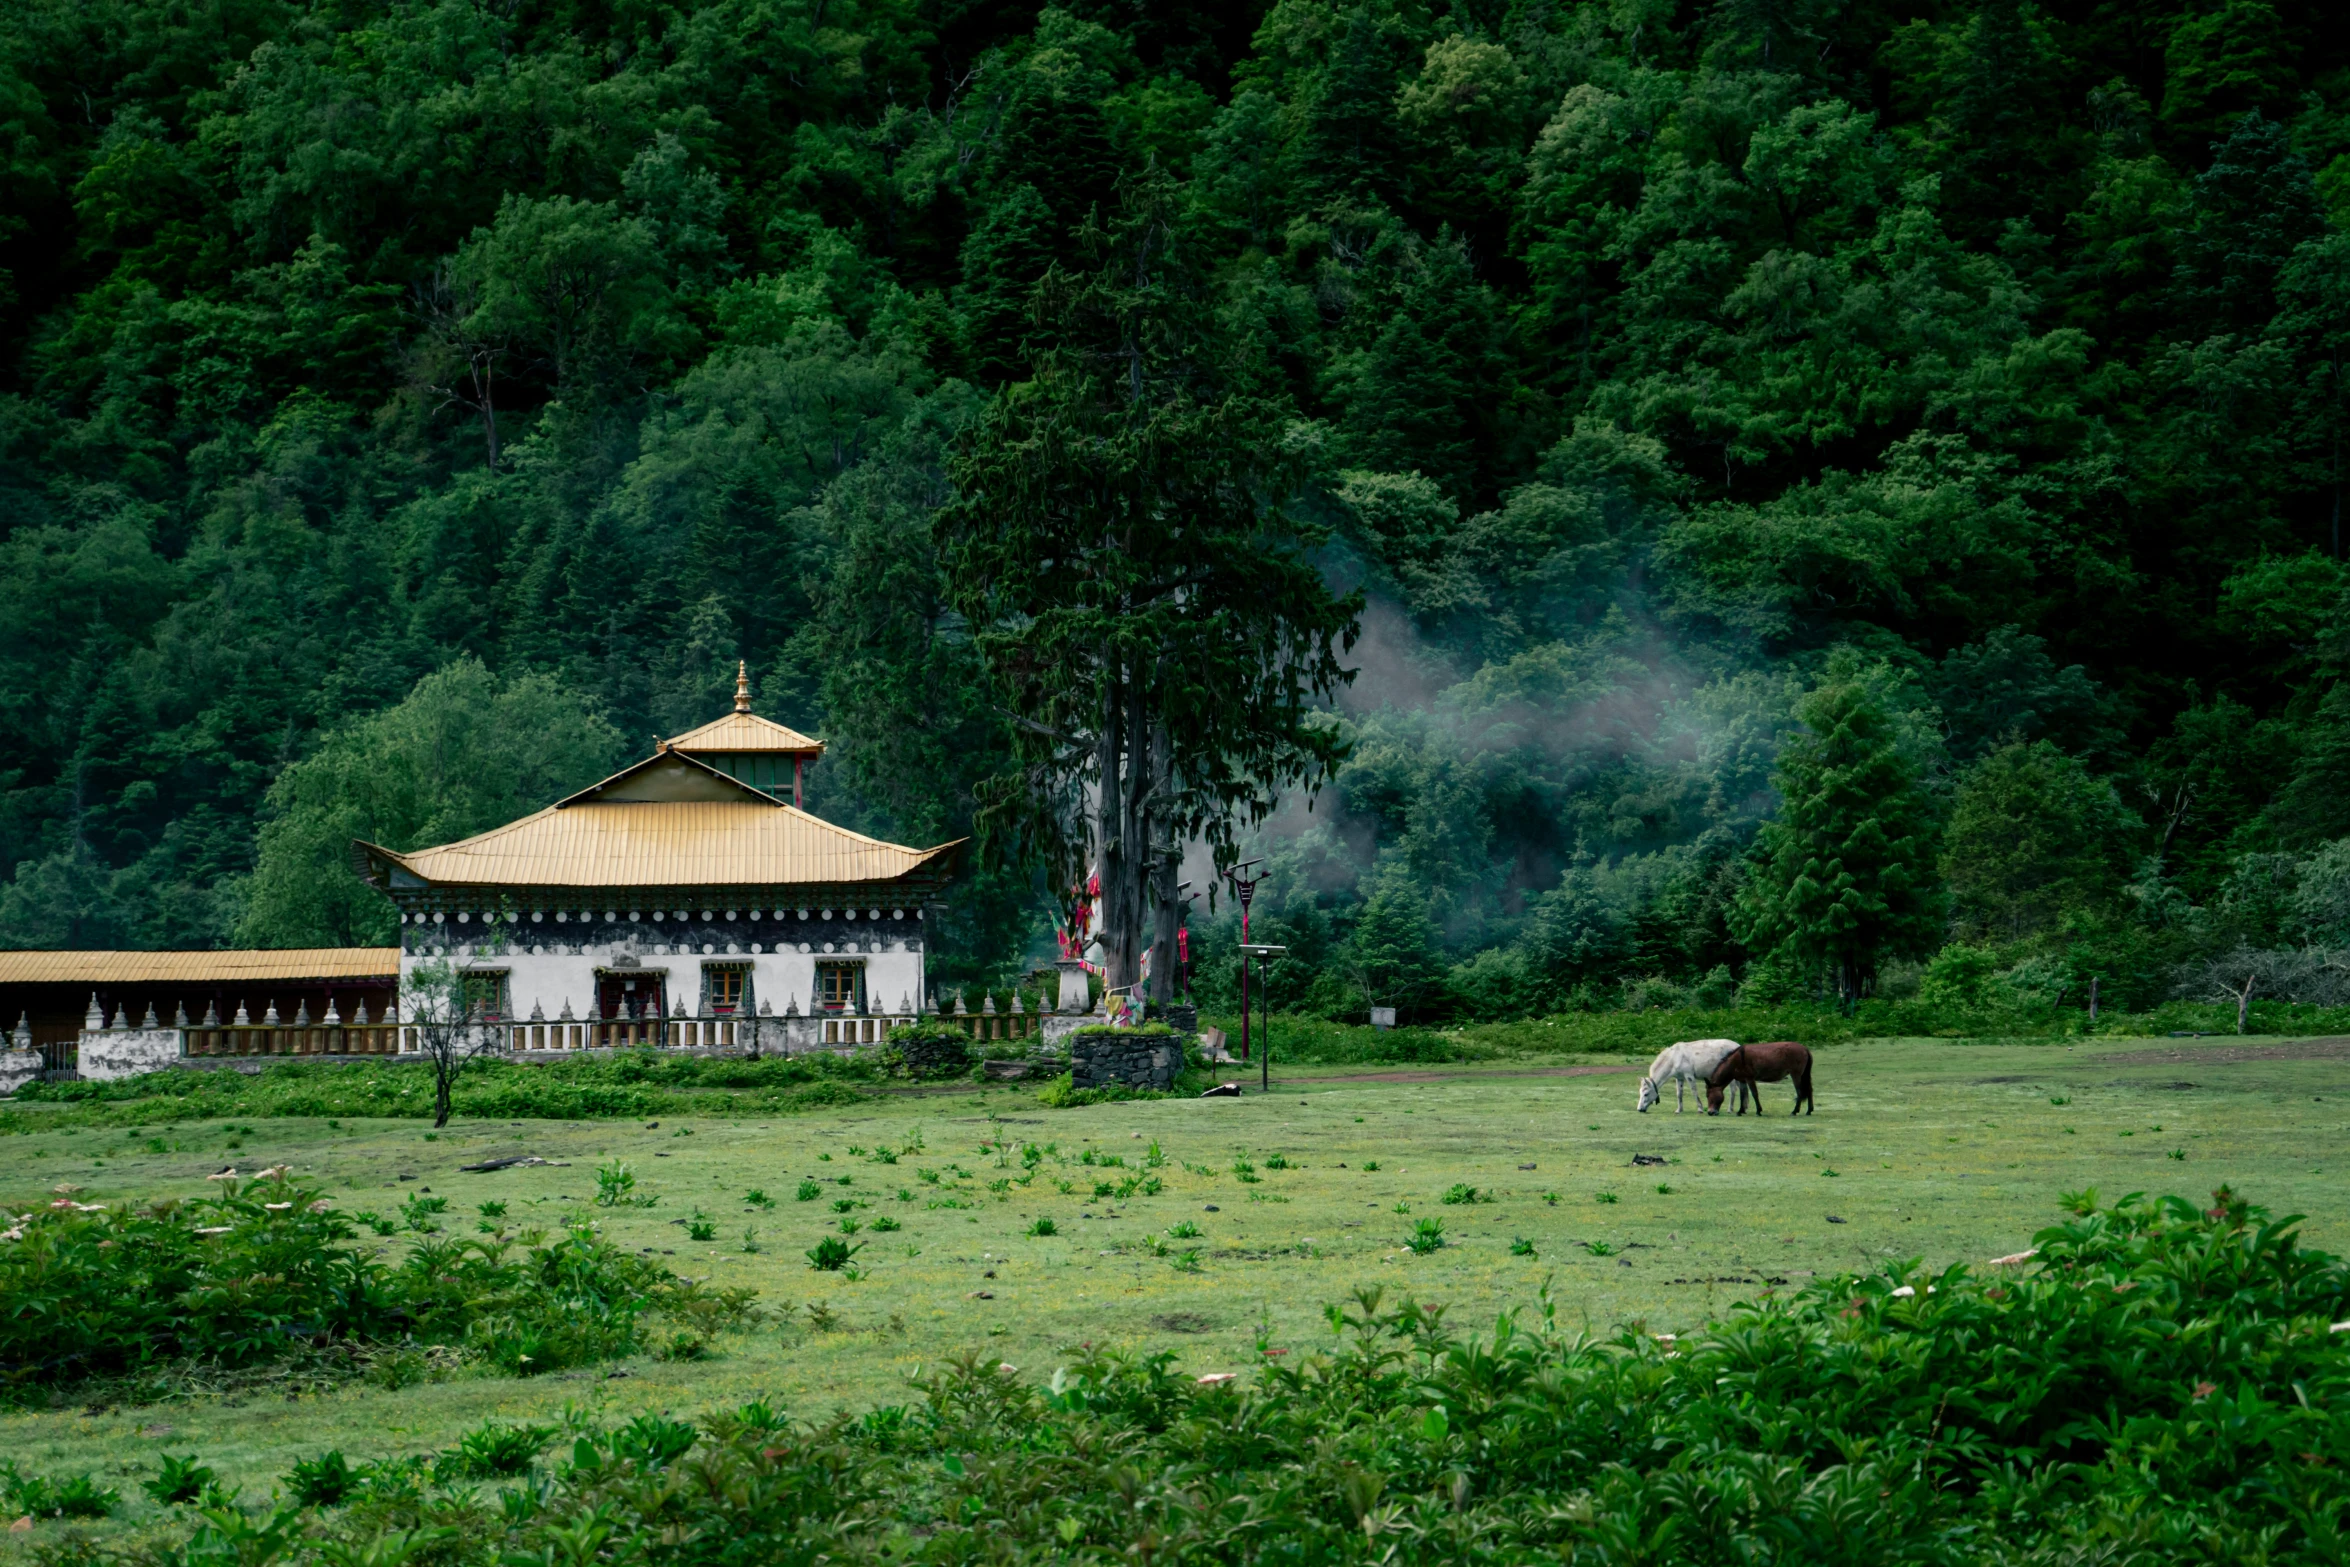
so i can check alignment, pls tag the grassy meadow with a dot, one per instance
(1921, 1148)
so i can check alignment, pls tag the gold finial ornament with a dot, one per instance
(742, 685)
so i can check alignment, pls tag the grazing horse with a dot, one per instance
(1690, 1061)
(1749, 1065)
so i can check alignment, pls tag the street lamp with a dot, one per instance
(1264, 956)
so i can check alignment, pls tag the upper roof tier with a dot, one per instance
(670, 821)
(742, 731)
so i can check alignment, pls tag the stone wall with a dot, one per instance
(17, 1068)
(126, 1052)
(1128, 1059)
(936, 1052)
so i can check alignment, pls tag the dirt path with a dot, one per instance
(2298, 1050)
(1439, 1075)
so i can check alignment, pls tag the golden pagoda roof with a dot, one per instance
(197, 968)
(668, 821)
(743, 730)
(739, 732)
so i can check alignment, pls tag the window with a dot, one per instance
(485, 994)
(722, 989)
(839, 986)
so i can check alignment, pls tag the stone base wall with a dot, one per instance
(19, 1067)
(1053, 1031)
(937, 1053)
(108, 1053)
(1125, 1060)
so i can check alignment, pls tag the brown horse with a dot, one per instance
(1767, 1063)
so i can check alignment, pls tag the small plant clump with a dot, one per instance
(616, 1187)
(178, 1478)
(37, 1496)
(1427, 1236)
(832, 1254)
(324, 1481)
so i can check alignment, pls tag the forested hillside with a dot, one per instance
(1762, 430)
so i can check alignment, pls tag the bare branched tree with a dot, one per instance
(2316, 975)
(449, 1020)
(454, 359)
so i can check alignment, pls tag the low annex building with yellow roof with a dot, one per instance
(687, 900)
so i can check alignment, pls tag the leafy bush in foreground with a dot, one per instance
(267, 1266)
(2159, 1386)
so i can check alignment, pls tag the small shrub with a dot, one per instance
(417, 1211)
(1183, 1230)
(1426, 1236)
(832, 1254)
(178, 1478)
(757, 1196)
(653, 1441)
(1603, 1197)
(1042, 1227)
(807, 1191)
(1521, 1247)
(36, 1496)
(1371, 1165)
(616, 1187)
(491, 1450)
(1600, 1248)
(324, 1481)
(701, 1230)
(885, 1224)
(1460, 1194)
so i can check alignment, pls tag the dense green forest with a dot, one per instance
(1834, 486)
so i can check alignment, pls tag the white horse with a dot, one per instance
(1690, 1061)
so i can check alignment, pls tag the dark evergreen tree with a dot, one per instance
(2246, 215)
(1845, 878)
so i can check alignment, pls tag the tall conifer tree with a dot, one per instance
(1847, 875)
(1121, 545)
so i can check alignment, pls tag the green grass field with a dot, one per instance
(1929, 1149)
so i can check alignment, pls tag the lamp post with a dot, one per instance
(1244, 887)
(1264, 957)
